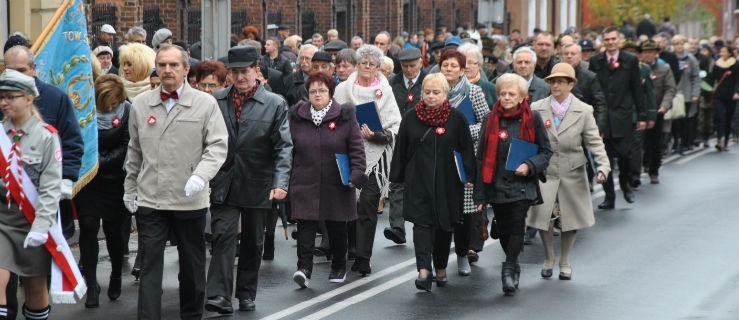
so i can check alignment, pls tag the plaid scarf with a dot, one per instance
(240, 98)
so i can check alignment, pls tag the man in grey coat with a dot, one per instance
(524, 62)
(256, 172)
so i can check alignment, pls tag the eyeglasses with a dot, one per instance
(368, 64)
(10, 98)
(318, 92)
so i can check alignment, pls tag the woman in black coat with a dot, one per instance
(725, 80)
(424, 161)
(510, 193)
(102, 198)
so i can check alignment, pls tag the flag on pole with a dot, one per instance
(63, 59)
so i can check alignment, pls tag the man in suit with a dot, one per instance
(618, 74)
(524, 62)
(407, 91)
(664, 90)
(178, 143)
(295, 83)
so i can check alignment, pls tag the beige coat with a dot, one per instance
(566, 176)
(167, 148)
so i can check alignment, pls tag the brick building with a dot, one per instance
(304, 17)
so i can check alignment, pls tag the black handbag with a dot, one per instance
(494, 230)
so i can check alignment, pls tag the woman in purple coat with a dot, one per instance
(320, 129)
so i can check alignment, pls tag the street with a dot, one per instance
(671, 255)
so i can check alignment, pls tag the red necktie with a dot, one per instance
(165, 96)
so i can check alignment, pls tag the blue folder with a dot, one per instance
(460, 167)
(342, 162)
(519, 152)
(469, 113)
(367, 114)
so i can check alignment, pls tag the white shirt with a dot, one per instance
(415, 81)
(169, 104)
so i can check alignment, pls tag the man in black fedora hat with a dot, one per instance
(255, 174)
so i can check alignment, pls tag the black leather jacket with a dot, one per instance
(259, 151)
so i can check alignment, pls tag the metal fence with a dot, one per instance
(194, 24)
(101, 14)
(152, 21)
(308, 24)
(239, 19)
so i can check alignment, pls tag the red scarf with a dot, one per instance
(492, 134)
(240, 98)
(433, 116)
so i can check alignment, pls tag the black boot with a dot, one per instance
(516, 275)
(506, 276)
(114, 288)
(93, 296)
(269, 246)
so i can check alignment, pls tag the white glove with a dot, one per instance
(35, 239)
(67, 189)
(194, 185)
(129, 200)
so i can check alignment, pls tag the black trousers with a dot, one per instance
(619, 148)
(653, 146)
(465, 231)
(636, 155)
(224, 222)
(187, 226)
(66, 211)
(369, 199)
(474, 227)
(431, 245)
(723, 116)
(337, 234)
(89, 248)
(511, 218)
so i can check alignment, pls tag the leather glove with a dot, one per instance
(35, 239)
(67, 186)
(194, 185)
(129, 200)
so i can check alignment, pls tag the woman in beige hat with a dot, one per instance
(567, 204)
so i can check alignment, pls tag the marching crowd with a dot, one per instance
(215, 150)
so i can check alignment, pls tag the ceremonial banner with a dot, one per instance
(63, 59)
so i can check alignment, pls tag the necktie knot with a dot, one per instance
(410, 83)
(612, 60)
(166, 96)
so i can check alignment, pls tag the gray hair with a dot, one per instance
(512, 79)
(14, 50)
(317, 35)
(307, 47)
(348, 55)
(367, 50)
(525, 49)
(577, 47)
(473, 49)
(357, 38)
(167, 46)
(251, 43)
(136, 31)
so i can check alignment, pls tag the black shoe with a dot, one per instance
(629, 196)
(219, 304)
(606, 205)
(114, 288)
(362, 265)
(322, 252)
(337, 275)
(394, 235)
(424, 283)
(93, 297)
(246, 305)
(506, 275)
(546, 273)
(136, 273)
(635, 183)
(472, 256)
(441, 281)
(294, 234)
(269, 247)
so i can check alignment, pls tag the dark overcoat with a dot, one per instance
(407, 99)
(424, 161)
(316, 191)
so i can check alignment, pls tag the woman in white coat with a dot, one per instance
(570, 124)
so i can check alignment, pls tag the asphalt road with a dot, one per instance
(671, 255)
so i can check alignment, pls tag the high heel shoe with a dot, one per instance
(136, 273)
(546, 270)
(114, 288)
(565, 272)
(93, 297)
(424, 283)
(506, 275)
(516, 275)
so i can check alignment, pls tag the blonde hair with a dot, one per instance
(332, 32)
(141, 59)
(108, 88)
(437, 78)
(678, 38)
(97, 69)
(512, 79)
(388, 62)
(293, 42)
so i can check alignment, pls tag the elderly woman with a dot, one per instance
(102, 198)
(369, 85)
(22, 238)
(346, 63)
(424, 161)
(570, 124)
(136, 61)
(689, 85)
(474, 72)
(725, 80)
(387, 66)
(510, 193)
(210, 76)
(453, 65)
(322, 128)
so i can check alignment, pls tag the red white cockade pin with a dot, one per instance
(332, 125)
(548, 123)
(116, 122)
(378, 93)
(503, 134)
(410, 97)
(440, 130)
(151, 121)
